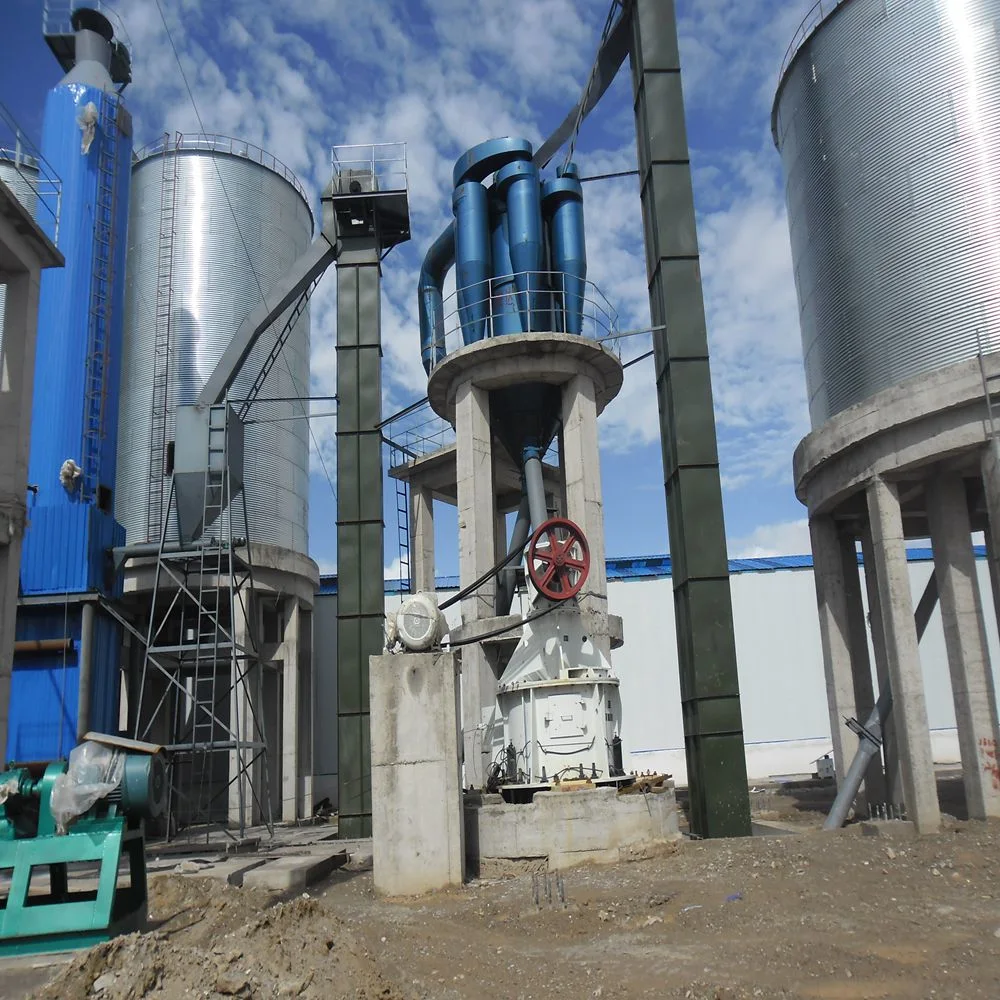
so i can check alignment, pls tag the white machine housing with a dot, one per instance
(558, 701)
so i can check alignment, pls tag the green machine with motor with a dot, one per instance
(62, 818)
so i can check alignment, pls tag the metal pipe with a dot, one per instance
(43, 645)
(870, 734)
(535, 486)
(141, 550)
(86, 670)
(508, 575)
(430, 294)
(871, 742)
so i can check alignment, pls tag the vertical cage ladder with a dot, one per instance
(161, 342)
(102, 280)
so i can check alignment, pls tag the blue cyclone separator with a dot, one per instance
(562, 206)
(517, 183)
(505, 237)
(503, 303)
(472, 258)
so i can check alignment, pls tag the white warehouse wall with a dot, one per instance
(783, 691)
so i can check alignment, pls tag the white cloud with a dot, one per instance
(303, 75)
(789, 538)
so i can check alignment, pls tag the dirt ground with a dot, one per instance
(816, 916)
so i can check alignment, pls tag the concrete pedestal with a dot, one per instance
(569, 828)
(417, 829)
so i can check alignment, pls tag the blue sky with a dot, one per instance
(300, 76)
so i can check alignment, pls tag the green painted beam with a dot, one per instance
(710, 696)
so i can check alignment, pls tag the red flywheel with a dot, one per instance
(558, 559)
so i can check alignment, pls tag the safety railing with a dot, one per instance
(419, 432)
(29, 175)
(57, 18)
(369, 167)
(817, 14)
(530, 301)
(212, 142)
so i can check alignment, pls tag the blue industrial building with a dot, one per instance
(66, 664)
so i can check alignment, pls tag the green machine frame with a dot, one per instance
(71, 916)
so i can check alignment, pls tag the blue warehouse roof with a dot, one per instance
(658, 566)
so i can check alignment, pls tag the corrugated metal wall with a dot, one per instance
(45, 687)
(888, 123)
(216, 266)
(73, 296)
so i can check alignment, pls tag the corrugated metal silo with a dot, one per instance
(887, 117)
(214, 223)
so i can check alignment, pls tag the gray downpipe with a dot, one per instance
(508, 575)
(86, 670)
(870, 734)
(535, 487)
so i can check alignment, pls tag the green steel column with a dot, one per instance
(710, 697)
(360, 590)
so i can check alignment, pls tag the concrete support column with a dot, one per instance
(874, 787)
(243, 810)
(902, 656)
(965, 639)
(290, 713)
(835, 637)
(582, 469)
(990, 467)
(476, 531)
(890, 751)
(421, 538)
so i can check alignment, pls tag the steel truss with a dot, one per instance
(201, 678)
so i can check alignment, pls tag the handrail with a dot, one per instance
(599, 319)
(214, 142)
(57, 18)
(33, 171)
(813, 19)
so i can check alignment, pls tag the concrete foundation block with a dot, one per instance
(284, 874)
(569, 828)
(417, 833)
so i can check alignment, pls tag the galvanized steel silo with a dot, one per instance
(214, 224)
(887, 117)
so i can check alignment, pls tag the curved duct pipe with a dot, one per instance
(562, 204)
(508, 575)
(430, 285)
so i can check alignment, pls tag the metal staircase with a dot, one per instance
(279, 342)
(161, 346)
(102, 279)
(201, 668)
